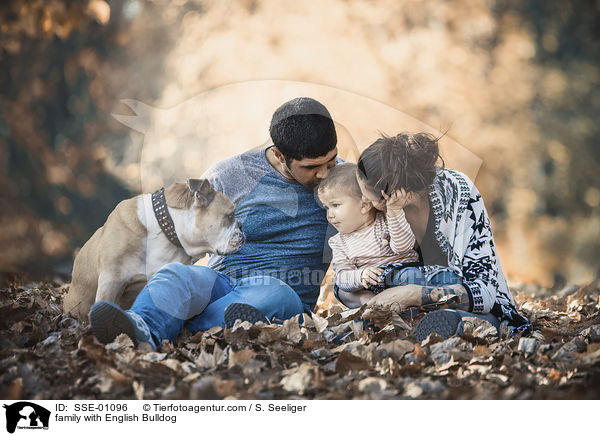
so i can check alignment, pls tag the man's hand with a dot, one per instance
(396, 201)
(370, 276)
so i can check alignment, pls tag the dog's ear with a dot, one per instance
(202, 190)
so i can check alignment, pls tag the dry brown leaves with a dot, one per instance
(333, 355)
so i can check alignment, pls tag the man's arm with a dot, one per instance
(213, 175)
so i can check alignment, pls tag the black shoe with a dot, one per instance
(445, 323)
(107, 321)
(243, 311)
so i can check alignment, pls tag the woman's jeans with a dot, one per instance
(419, 276)
(195, 297)
(399, 275)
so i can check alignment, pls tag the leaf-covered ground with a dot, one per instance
(333, 355)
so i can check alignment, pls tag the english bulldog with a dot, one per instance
(142, 234)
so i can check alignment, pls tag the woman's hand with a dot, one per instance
(370, 276)
(398, 298)
(396, 201)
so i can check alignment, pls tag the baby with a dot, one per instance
(369, 240)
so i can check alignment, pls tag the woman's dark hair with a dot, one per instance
(303, 128)
(405, 161)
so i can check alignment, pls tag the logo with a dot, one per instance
(26, 415)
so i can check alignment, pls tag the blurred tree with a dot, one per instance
(55, 189)
(564, 164)
(518, 82)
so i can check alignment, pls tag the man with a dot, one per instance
(278, 271)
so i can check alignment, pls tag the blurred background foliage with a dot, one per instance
(516, 82)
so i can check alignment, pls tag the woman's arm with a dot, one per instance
(480, 263)
(423, 297)
(355, 299)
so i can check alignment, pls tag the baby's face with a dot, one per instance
(345, 212)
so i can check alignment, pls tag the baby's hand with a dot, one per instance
(396, 201)
(370, 276)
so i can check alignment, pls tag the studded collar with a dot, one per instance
(161, 212)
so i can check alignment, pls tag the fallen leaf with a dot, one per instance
(351, 313)
(348, 346)
(117, 376)
(205, 388)
(205, 360)
(592, 358)
(397, 349)
(357, 329)
(555, 375)
(269, 334)
(527, 346)
(399, 322)
(592, 333)
(298, 379)
(500, 379)
(291, 330)
(138, 390)
(153, 357)
(347, 362)
(320, 323)
(419, 353)
(481, 350)
(373, 386)
(173, 364)
(253, 367)
(219, 355)
(225, 388)
(240, 358)
(446, 366)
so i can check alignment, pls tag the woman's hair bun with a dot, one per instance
(406, 161)
(424, 147)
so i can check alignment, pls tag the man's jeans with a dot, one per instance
(195, 297)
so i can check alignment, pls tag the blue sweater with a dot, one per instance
(286, 229)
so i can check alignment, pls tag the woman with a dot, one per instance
(452, 229)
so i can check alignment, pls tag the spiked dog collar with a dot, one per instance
(161, 212)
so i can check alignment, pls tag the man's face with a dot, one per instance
(310, 172)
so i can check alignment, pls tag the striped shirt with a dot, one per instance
(388, 240)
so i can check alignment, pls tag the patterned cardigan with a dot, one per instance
(462, 230)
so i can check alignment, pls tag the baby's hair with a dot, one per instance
(405, 161)
(342, 177)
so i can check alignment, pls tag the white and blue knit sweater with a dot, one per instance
(462, 230)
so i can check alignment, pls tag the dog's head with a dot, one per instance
(208, 224)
